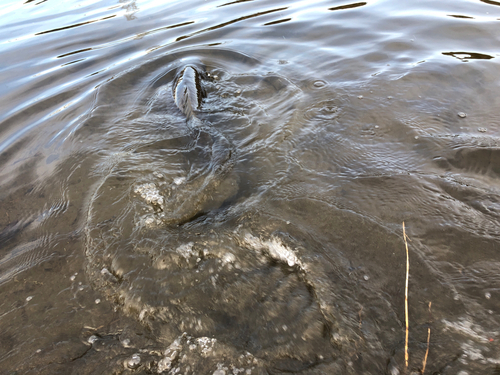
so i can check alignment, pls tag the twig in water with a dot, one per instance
(360, 319)
(428, 338)
(406, 296)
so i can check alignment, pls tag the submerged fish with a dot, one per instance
(188, 93)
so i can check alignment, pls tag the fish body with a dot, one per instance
(188, 91)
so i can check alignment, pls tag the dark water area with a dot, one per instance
(260, 232)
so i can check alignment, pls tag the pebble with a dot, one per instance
(482, 130)
(29, 298)
(487, 295)
(366, 277)
(360, 97)
(462, 114)
(97, 301)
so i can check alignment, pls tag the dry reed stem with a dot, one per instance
(428, 338)
(406, 296)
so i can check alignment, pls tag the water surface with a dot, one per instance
(124, 250)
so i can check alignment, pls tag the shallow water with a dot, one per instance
(121, 251)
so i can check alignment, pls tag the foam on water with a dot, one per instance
(151, 195)
(275, 249)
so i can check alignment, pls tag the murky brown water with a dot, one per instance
(266, 237)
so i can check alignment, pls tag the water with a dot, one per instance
(124, 249)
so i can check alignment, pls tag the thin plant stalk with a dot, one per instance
(428, 339)
(406, 296)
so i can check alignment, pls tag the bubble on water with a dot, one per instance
(179, 180)
(97, 301)
(164, 365)
(134, 362)
(366, 277)
(29, 298)
(38, 351)
(72, 278)
(126, 343)
(482, 130)
(221, 369)
(157, 174)
(206, 344)
(319, 84)
(487, 295)
(105, 271)
(186, 250)
(171, 354)
(228, 258)
(360, 97)
(142, 314)
(92, 339)
(462, 114)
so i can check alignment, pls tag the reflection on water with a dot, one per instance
(252, 223)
